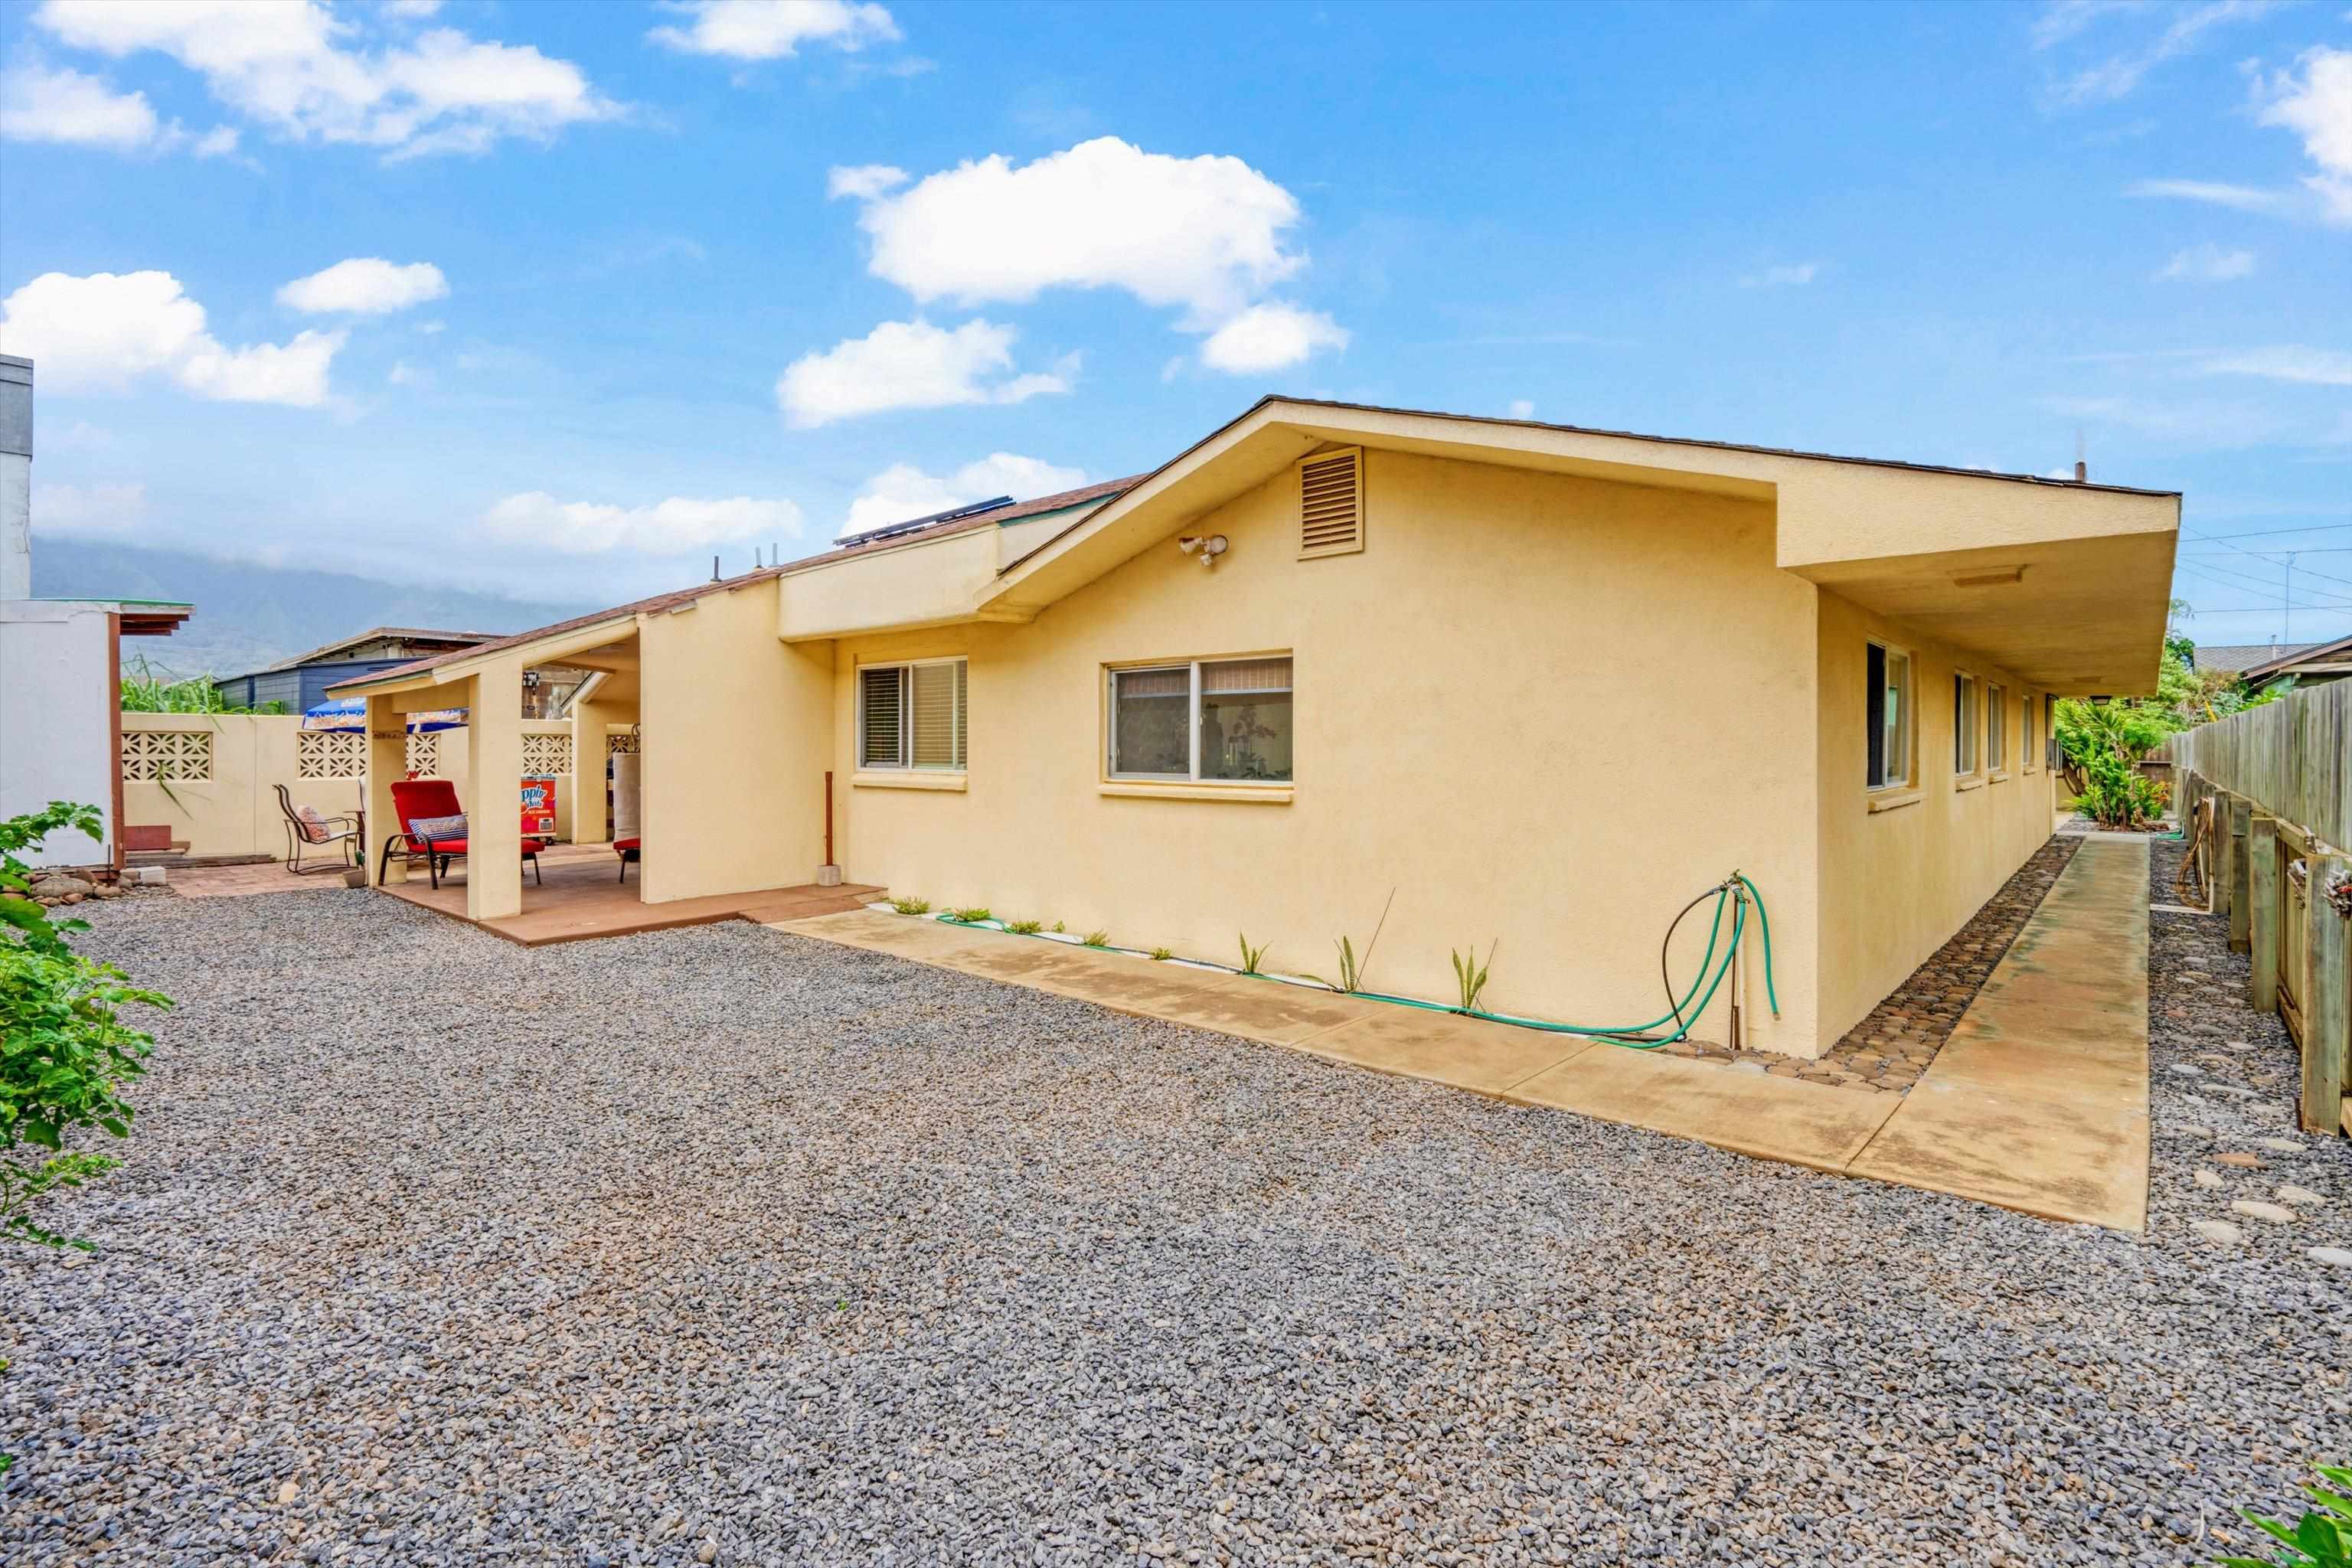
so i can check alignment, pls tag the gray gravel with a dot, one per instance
(725, 1244)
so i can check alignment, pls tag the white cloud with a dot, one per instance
(1521, 408)
(773, 29)
(404, 373)
(39, 105)
(364, 286)
(2286, 361)
(2319, 107)
(1204, 234)
(90, 511)
(311, 74)
(864, 182)
(107, 330)
(1270, 337)
(902, 491)
(910, 364)
(2118, 76)
(2207, 263)
(1792, 277)
(670, 527)
(2240, 198)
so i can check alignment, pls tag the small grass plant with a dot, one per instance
(1162, 954)
(1097, 938)
(971, 916)
(1023, 928)
(1470, 975)
(911, 906)
(1252, 957)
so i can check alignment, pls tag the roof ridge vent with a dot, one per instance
(953, 513)
(1331, 503)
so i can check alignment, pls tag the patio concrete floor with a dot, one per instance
(2038, 1103)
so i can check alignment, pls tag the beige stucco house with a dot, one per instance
(1542, 684)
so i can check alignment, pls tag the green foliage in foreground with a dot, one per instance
(65, 1052)
(2320, 1538)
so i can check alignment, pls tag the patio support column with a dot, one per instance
(589, 825)
(494, 769)
(387, 764)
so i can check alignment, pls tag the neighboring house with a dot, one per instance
(2292, 668)
(301, 682)
(1540, 684)
(60, 666)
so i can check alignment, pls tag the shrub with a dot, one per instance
(2321, 1539)
(1023, 928)
(1096, 938)
(972, 916)
(911, 906)
(65, 1051)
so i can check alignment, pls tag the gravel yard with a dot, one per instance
(725, 1245)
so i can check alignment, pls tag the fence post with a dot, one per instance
(2219, 882)
(2327, 999)
(2242, 818)
(2262, 911)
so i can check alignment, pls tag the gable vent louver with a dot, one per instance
(1331, 503)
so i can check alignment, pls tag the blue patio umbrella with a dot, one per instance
(348, 716)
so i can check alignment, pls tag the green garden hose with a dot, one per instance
(1683, 1014)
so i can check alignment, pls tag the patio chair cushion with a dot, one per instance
(626, 846)
(458, 846)
(314, 829)
(440, 829)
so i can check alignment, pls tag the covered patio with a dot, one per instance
(714, 811)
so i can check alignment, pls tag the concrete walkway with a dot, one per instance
(2044, 1109)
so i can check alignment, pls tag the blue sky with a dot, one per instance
(557, 302)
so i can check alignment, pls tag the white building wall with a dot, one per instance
(56, 720)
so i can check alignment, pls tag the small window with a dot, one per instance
(1996, 727)
(1224, 720)
(911, 715)
(1887, 695)
(1965, 727)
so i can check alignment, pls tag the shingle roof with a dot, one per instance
(1060, 500)
(2233, 658)
(421, 634)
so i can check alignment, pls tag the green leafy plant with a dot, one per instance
(1252, 957)
(2321, 1538)
(972, 916)
(65, 1051)
(1162, 954)
(911, 906)
(1470, 975)
(1351, 968)
(146, 689)
(1023, 928)
(1059, 928)
(1098, 938)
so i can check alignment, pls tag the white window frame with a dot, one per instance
(1910, 737)
(1968, 725)
(962, 721)
(1191, 667)
(1996, 736)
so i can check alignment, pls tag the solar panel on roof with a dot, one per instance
(950, 515)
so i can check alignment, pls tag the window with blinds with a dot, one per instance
(911, 715)
(1331, 503)
(1223, 720)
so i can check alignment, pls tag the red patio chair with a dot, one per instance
(422, 800)
(628, 849)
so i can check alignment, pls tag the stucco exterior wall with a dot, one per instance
(1543, 708)
(1896, 883)
(734, 742)
(234, 811)
(57, 737)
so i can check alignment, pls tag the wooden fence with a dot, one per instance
(2292, 757)
(2267, 796)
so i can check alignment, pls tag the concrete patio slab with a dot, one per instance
(1444, 1048)
(1817, 1125)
